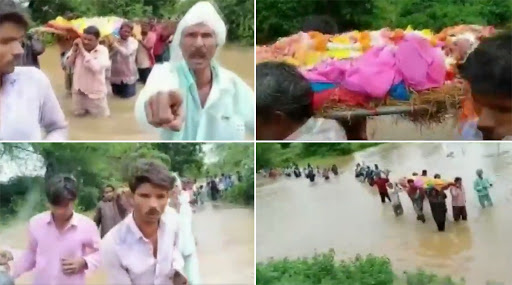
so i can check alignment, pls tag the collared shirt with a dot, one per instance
(27, 105)
(458, 196)
(128, 255)
(317, 129)
(89, 71)
(47, 246)
(123, 57)
(145, 57)
(186, 240)
(227, 115)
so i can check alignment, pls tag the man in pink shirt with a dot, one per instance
(62, 244)
(142, 249)
(458, 200)
(145, 58)
(124, 70)
(89, 60)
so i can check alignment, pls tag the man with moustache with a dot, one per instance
(89, 60)
(143, 248)
(192, 97)
(27, 101)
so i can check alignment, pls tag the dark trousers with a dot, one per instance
(383, 197)
(398, 210)
(439, 213)
(144, 74)
(460, 212)
(124, 90)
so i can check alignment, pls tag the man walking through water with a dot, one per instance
(381, 183)
(124, 69)
(417, 196)
(110, 210)
(142, 249)
(145, 58)
(192, 97)
(27, 101)
(481, 186)
(89, 60)
(62, 243)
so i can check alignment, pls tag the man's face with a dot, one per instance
(62, 212)
(125, 32)
(198, 45)
(149, 202)
(458, 183)
(11, 38)
(90, 42)
(108, 193)
(494, 116)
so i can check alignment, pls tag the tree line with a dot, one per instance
(279, 18)
(95, 165)
(238, 14)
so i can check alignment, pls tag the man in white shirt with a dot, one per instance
(143, 248)
(27, 101)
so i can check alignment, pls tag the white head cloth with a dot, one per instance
(202, 12)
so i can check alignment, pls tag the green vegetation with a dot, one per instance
(236, 157)
(96, 164)
(278, 18)
(238, 14)
(282, 154)
(324, 269)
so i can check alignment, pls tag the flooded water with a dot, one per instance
(396, 128)
(122, 124)
(225, 238)
(296, 219)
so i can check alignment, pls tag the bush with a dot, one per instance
(325, 270)
(242, 193)
(423, 278)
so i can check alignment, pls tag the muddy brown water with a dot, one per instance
(296, 219)
(122, 124)
(225, 238)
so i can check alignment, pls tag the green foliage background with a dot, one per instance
(278, 18)
(282, 154)
(324, 269)
(238, 14)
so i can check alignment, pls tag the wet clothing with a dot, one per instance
(109, 214)
(383, 190)
(485, 200)
(383, 197)
(459, 212)
(437, 200)
(417, 196)
(124, 90)
(481, 186)
(144, 74)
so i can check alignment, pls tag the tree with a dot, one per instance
(183, 155)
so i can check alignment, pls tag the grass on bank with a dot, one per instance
(324, 269)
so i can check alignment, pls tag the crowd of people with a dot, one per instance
(421, 187)
(141, 233)
(308, 171)
(187, 95)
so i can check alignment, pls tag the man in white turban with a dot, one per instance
(192, 97)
